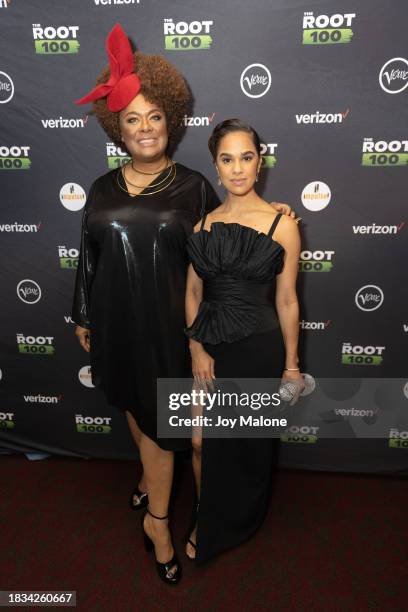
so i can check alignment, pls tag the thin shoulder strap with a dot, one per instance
(203, 221)
(274, 224)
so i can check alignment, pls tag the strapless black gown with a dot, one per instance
(238, 326)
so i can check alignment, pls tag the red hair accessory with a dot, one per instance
(123, 84)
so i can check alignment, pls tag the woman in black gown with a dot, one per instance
(130, 284)
(237, 253)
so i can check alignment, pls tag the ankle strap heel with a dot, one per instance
(160, 518)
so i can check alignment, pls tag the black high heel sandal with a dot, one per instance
(143, 499)
(162, 568)
(188, 539)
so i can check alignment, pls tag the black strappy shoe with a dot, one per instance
(163, 569)
(188, 539)
(143, 499)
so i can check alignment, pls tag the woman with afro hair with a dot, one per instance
(131, 277)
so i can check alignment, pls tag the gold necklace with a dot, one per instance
(152, 173)
(153, 184)
(119, 173)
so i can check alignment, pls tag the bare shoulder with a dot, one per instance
(287, 232)
(210, 216)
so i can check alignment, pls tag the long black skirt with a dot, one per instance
(236, 472)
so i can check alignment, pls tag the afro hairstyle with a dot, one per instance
(161, 84)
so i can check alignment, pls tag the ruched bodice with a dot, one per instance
(238, 266)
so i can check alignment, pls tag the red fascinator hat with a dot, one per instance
(123, 84)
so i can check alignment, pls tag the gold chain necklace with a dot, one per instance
(126, 190)
(152, 173)
(153, 184)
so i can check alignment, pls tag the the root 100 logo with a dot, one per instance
(35, 345)
(68, 258)
(325, 30)
(398, 438)
(14, 158)
(316, 261)
(116, 156)
(6, 420)
(300, 434)
(268, 154)
(53, 41)
(96, 424)
(361, 355)
(382, 153)
(183, 36)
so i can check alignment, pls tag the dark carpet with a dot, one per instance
(332, 542)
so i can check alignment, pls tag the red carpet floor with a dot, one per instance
(331, 542)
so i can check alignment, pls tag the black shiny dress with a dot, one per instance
(238, 326)
(130, 289)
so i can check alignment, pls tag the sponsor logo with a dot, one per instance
(4, 3)
(393, 75)
(115, 2)
(116, 156)
(68, 319)
(6, 88)
(405, 390)
(356, 412)
(85, 376)
(183, 36)
(327, 30)
(6, 420)
(255, 80)
(19, 227)
(361, 355)
(316, 196)
(398, 438)
(369, 297)
(302, 434)
(268, 154)
(314, 325)
(316, 261)
(197, 121)
(1, 375)
(14, 158)
(60, 122)
(97, 424)
(55, 40)
(29, 291)
(319, 117)
(377, 229)
(35, 345)
(405, 327)
(72, 196)
(42, 399)
(68, 257)
(382, 153)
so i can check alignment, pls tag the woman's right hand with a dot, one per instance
(202, 364)
(84, 337)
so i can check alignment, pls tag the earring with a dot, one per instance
(219, 181)
(257, 175)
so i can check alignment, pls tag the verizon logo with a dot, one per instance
(377, 229)
(20, 227)
(42, 399)
(319, 117)
(64, 123)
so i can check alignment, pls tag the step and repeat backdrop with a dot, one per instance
(325, 84)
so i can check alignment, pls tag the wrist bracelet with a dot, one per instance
(293, 369)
